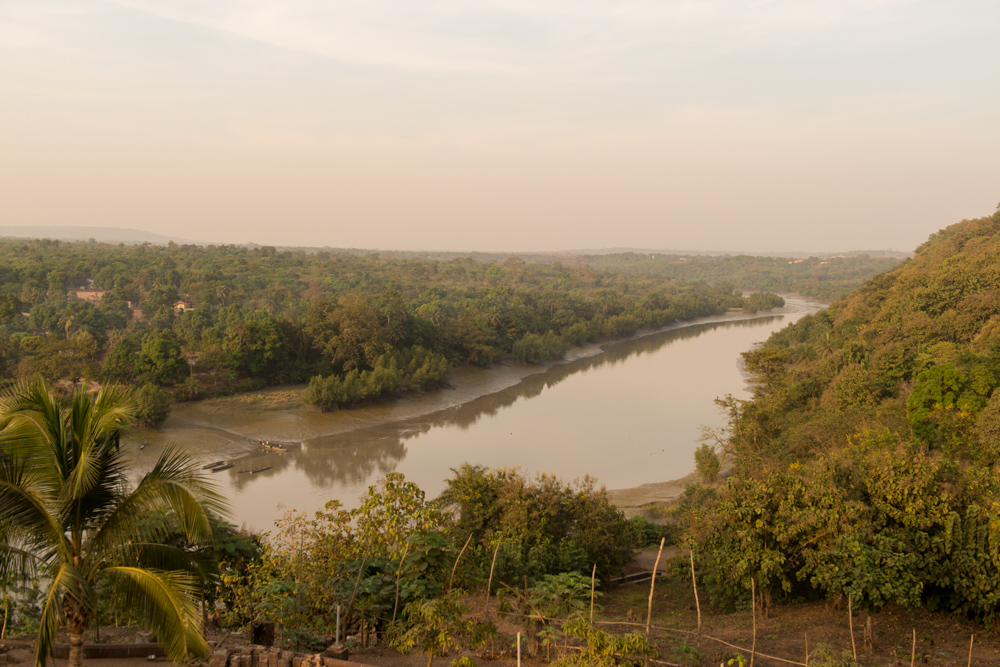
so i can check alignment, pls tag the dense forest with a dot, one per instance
(826, 279)
(865, 465)
(183, 322)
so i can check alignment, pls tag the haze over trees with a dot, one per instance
(824, 278)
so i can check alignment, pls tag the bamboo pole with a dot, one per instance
(399, 570)
(519, 649)
(489, 584)
(694, 583)
(593, 575)
(913, 651)
(455, 566)
(753, 617)
(652, 584)
(850, 624)
(807, 649)
(972, 638)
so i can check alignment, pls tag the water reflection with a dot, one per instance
(622, 447)
(627, 423)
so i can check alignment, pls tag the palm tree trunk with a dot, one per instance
(75, 648)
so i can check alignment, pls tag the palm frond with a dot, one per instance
(165, 602)
(175, 483)
(33, 429)
(156, 556)
(67, 580)
(97, 427)
(24, 515)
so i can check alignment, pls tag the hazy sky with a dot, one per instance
(503, 124)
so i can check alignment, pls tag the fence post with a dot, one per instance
(455, 566)
(652, 584)
(593, 575)
(694, 583)
(850, 624)
(971, 639)
(753, 617)
(913, 651)
(489, 584)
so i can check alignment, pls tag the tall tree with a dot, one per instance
(67, 514)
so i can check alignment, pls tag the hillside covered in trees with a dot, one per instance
(197, 321)
(866, 463)
(827, 279)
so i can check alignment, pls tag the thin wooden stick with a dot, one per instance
(807, 649)
(489, 584)
(694, 583)
(355, 591)
(593, 575)
(753, 616)
(398, 571)
(652, 584)
(913, 651)
(972, 638)
(850, 624)
(455, 566)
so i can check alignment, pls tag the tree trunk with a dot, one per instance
(75, 648)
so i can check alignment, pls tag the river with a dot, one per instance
(629, 412)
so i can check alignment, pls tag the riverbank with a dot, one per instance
(636, 501)
(628, 412)
(250, 415)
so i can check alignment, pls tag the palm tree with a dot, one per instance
(67, 515)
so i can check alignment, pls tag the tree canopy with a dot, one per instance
(866, 462)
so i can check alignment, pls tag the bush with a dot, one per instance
(605, 649)
(406, 370)
(153, 405)
(533, 348)
(542, 526)
(707, 463)
(645, 533)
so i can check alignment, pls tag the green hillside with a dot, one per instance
(866, 461)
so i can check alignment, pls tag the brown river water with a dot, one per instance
(627, 412)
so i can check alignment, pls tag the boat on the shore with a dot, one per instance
(268, 447)
(214, 464)
(224, 466)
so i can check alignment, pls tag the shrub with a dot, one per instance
(152, 405)
(707, 462)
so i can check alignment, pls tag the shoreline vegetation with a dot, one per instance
(463, 389)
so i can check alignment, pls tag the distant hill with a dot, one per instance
(102, 234)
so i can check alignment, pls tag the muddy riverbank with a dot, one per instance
(627, 412)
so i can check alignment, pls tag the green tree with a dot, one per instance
(152, 406)
(119, 366)
(66, 515)
(161, 362)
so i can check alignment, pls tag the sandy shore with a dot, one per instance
(630, 501)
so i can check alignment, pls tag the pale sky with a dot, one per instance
(503, 124)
